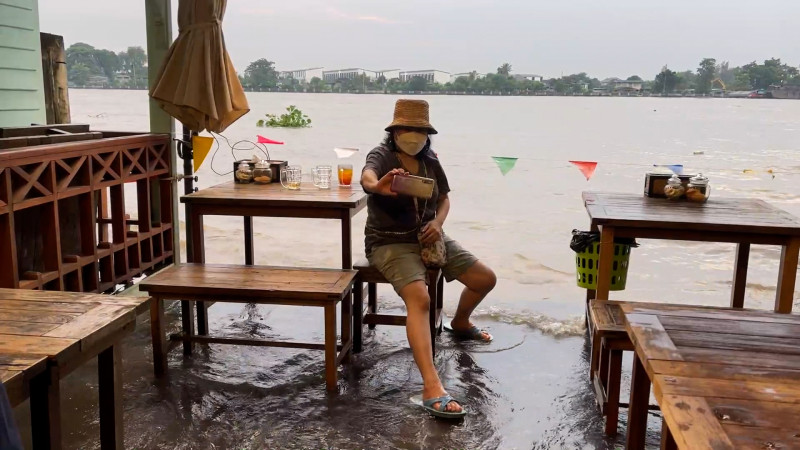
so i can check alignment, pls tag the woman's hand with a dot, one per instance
(431, 232)
(384, 185)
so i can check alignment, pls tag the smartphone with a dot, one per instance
(412, 185)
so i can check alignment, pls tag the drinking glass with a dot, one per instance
(291, 177)
(345, 175)
(322, 176)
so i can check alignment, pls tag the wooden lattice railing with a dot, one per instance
(63, 219)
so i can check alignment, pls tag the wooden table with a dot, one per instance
(724, 378)
(44, 336)
(740, 221)
(324, 288)
(271, 200)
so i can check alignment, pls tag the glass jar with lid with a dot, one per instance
(244, 174)
(262, 174)
(674, 188)
(698, 189)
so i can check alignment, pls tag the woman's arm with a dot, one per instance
(432, 231)
(371, 183)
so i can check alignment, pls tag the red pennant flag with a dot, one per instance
(263, 140)
(587, 168)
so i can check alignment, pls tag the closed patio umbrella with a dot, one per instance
(197, 83)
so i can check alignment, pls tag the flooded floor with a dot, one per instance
(525, 390)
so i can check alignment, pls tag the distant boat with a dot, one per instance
(784, 92)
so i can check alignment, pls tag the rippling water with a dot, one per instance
(529, 389)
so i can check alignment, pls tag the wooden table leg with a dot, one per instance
(740, 275)
(667, 441)
(605, 263)
(347, 324)
(787, 276)
(198, 255)
(590, 293)
(157, 331)
(248, 241)
(45, 403)
(109, 374)
(639, 404)
(347, 241)
(330, 348)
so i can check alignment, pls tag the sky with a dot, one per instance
(604, 38)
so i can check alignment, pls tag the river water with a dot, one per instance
(529, 388)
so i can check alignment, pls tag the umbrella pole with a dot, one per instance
(188, 180)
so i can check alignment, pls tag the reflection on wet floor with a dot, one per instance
(525, 390)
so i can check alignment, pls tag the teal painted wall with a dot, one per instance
(21, 91)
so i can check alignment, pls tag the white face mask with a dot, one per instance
(411, 142)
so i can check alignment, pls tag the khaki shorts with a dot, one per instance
(401, 264)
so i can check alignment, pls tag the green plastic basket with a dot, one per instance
(587, 260)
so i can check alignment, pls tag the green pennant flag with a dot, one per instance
(505, 163)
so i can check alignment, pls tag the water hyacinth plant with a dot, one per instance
(294, 118)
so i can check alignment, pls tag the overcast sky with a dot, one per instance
(554, 37)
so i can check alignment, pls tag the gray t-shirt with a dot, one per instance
(394, 220)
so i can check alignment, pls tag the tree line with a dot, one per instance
(128, 69)
(124, 69)
(709, 75)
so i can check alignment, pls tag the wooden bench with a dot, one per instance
(322, 288)
(609, 340)
(372, 277)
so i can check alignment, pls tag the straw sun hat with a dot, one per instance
(411, 114)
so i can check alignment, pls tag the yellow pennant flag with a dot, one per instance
(201, 145)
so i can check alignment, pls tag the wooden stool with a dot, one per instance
(322, 288)
(609, 340)
(372, 276)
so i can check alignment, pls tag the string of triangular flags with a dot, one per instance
(588, 168)
(201, 146)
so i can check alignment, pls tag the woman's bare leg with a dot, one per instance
(418, 330)
(478, 281)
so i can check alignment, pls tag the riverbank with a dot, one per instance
(458, 94)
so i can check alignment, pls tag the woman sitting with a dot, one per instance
(397, 225)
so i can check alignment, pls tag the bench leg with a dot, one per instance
(613, 380)
(158, 334)
(439, 304)
(358, 315)
(372, 301)
(433, 289)
(109, 375)
(667, 440)
(330, 348)
(187, 321)
(45, 403)
(594, 362)
(347, 326)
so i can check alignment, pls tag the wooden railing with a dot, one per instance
(63, 220)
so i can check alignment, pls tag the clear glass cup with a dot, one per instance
(322, 176)
(291, 177)
(345, 175)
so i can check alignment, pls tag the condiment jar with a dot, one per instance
(674, 188)
(244, 174)
(698, 189)
(262, 174)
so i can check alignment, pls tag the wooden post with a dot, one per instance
(159, 38)
(54, 73)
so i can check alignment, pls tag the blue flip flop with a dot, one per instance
(441, 411)
(474, 333)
